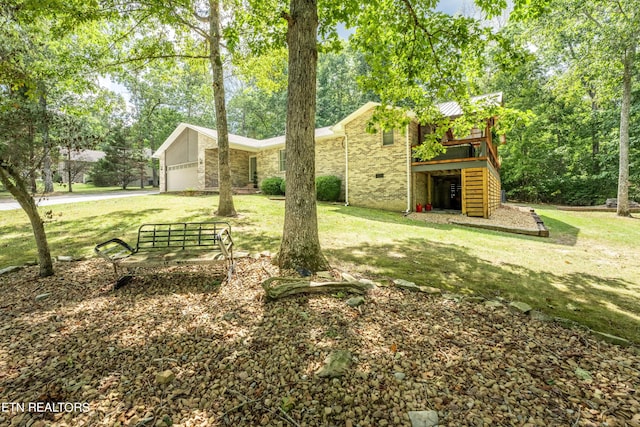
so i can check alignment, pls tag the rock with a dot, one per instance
(583, 374)
(613, 203)
(538, 315)
(520, 306)
(368, 282)
(240, 254)
(611, 338)
(42, 296)
(429, 290)
(266, 254)
(324, 274)
(411, 286)
(355, 301)
(10, 269)
(399, 376)
(405, 284)
(336, 364)
(423, 418)
(165, 377)
(65, 258)
(348, 278)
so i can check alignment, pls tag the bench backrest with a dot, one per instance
(184, 235)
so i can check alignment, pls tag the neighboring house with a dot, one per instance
(77, 164)
(377, 170)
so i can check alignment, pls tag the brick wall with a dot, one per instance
(269, 164)
(368, 158)
(208, 171)
(329, 160)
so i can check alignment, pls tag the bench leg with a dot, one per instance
(121, 277)
(122, 281)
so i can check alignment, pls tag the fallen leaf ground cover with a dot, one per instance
(587, 271)
(234, 359)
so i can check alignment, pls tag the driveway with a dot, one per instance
(7, 204)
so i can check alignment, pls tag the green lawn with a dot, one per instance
(77, 189)
(587, 271)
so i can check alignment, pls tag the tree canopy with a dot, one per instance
(568, 71)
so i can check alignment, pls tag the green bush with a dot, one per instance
(328, 188)
(283, 187)
(272, 186)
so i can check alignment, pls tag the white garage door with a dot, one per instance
(182, 177)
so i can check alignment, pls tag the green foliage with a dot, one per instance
(328, 188)
(272, 186)
(568, 153)
(122, 162)
(283, 187)
(338, 92)
(287, 404)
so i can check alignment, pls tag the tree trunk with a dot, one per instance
(32, 157)
(625, 112)
(69, 172)
(300, 247)
(280, 287)
(225, 203)
(46, 163)
(18, 189)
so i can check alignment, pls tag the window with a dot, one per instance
(387, 137)
(283, 160)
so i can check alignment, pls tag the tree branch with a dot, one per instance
(151, 58)
(430, 37)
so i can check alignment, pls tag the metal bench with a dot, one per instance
(165, 245)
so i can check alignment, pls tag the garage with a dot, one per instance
(183, 176)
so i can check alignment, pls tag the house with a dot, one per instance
(377, 170)
(77, 164)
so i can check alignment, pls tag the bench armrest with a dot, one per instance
(114, 250)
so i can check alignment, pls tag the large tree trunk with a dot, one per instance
(300, 246)
(225, 204)
(46, 163)
(18, 189)
(625, 112)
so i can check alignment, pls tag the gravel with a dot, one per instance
(182, 350)
(506, 216)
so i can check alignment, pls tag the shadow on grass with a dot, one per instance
(602, 303)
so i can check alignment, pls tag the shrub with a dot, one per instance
(328, 188)
(283, 187)
(271, 186)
